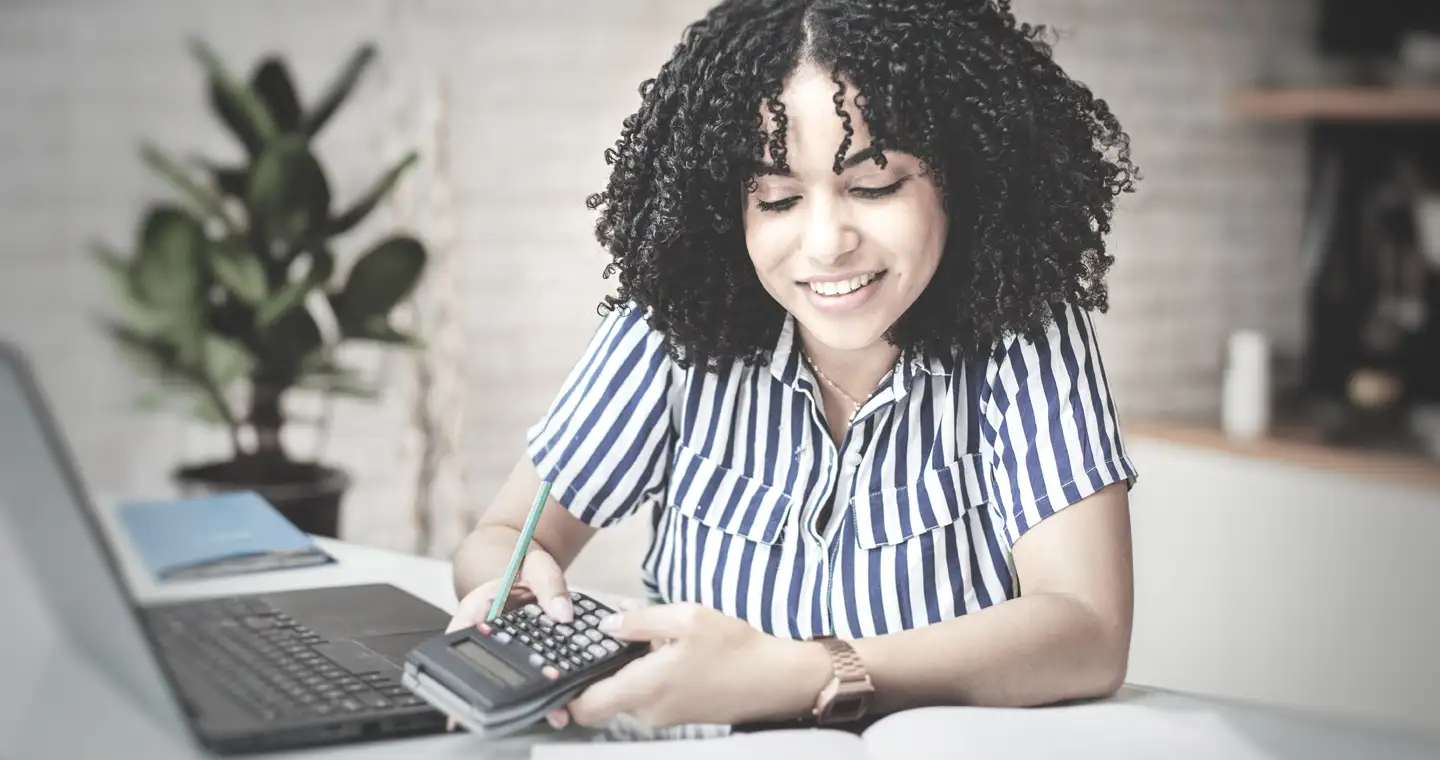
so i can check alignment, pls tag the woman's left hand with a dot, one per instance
(703, 667)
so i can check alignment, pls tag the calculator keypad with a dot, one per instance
(557, 648)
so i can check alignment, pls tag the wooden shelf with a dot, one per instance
(1411, 104)
(1300, 446)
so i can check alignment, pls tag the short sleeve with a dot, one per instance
(1051, 430)
(604, 440)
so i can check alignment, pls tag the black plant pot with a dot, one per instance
(308, 495)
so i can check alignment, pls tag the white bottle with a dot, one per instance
(1245, 397)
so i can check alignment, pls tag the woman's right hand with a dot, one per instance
(540, 581)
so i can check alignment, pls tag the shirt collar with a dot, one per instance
(785, 362)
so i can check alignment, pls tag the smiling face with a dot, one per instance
(846, 254)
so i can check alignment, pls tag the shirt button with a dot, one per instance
(852, 459)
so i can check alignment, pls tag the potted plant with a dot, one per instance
(225, 293)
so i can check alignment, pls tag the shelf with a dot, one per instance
(1412, 104)
(1300, 446)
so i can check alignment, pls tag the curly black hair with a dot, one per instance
(1029, 163)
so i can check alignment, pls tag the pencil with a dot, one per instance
(522, 546)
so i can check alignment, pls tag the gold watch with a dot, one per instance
(847, 696)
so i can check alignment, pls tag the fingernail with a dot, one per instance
(610, 623)
(561, 610)
(557, 719)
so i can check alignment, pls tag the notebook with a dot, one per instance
(1137, 724)
(213, 535)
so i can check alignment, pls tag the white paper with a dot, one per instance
(1100, 731)
(769, 745)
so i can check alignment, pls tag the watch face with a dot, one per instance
(845, 708)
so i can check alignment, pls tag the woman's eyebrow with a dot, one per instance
(768, 169)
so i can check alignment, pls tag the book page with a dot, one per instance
(1104, 731)
(783, 744)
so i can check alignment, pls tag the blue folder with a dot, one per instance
(213, 535)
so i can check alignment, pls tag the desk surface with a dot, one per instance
(53, 707)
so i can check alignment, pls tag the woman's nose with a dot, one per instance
(829, 234)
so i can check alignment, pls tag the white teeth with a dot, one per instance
(841, 288)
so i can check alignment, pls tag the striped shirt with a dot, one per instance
(945, 466)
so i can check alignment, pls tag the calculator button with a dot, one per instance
(502, 637)
(533, 610)
(576, 661)
(537, 660)
(596, 637)
(545, 621)
(587, 657)
(587, 605)
(563, 665)
(548, 642)
(580, 640)
(580, 625)
(524, 639)
(576, 596)
(598, 651)
(564, 630)
(591, 620)
(602, 613)
(610, 645)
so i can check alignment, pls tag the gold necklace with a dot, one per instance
(855, 405)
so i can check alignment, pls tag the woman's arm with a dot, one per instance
(1066, 636)
(558, 539)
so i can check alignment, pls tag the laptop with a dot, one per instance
(243, 674)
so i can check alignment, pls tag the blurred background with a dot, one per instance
(1273, 342)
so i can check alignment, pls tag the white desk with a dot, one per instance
(54, 709)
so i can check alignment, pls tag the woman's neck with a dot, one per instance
(856, 371)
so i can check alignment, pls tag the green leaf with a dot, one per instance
(236, 105)
(382, 278)
(225, 361)
(366, 203)
(205, 201)
(232, 181)
(149, 354)
(138, 315)
(380, 331)
(276, 90)
(288, 191)
(239, 270)
(168, 269)
(337, 91)
(294, 293)
(292, 339)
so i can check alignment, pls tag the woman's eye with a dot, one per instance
(779, 205)
(879, 192)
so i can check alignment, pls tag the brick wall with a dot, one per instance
(524, 96)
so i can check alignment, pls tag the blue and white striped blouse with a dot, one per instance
(943, 469)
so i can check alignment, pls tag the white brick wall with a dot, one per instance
(539, 89)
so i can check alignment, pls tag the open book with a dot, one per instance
(1136, 723)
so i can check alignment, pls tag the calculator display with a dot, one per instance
(491, 665)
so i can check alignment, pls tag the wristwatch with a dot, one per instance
(847, 696)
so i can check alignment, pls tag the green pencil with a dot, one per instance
(521, 547)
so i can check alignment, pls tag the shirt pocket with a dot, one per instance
(936, 498)
(726, 499)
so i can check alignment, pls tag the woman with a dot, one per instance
(849, 377)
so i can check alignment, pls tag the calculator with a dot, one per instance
(505, 674)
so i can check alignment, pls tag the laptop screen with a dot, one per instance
(47, 511)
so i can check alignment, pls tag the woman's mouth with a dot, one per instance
(845, 287)
(843, 295)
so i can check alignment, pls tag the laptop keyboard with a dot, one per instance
(267, 662)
